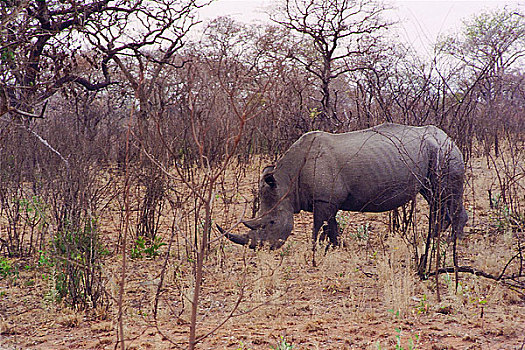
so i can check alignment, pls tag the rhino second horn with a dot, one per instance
(252, 224)
(239, 239)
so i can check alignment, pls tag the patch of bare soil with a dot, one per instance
(364, 295)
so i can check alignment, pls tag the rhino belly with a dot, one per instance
(379, 200)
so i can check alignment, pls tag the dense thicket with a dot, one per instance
(96, 78)
(99, 98)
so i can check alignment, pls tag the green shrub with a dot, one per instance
(77, 262)
(144, 248)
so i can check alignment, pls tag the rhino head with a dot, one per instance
(274, 223)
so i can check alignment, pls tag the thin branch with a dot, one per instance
(41, 139)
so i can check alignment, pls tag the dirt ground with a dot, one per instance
(364, 295)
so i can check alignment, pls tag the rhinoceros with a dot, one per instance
(372, 170)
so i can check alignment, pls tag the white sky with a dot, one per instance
(421, 21)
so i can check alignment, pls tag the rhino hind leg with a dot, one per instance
(444, 219)
(444, 210)
(451, 213)
(455, 213)
(459, 218)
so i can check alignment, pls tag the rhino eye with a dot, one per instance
(272, 222)
(270, 180)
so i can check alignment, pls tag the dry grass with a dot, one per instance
(360, 296)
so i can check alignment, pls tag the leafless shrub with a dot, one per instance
(24, 209)
(77, 193)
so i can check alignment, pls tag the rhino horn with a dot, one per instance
(239, 239)
(252, 224)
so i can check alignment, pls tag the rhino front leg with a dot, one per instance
(332, 231)
(325, 213)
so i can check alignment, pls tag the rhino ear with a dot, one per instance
(267, 175)
(268, 169)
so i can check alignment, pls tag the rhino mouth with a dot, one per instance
(278, 244)
(248, 240)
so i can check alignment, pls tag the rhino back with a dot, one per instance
(375, 169)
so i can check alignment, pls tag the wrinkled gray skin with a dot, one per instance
(372, 170)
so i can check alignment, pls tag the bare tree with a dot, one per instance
(490, 46)
(241, 57)
(45, 42)
(39, 49)
(337, 31)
